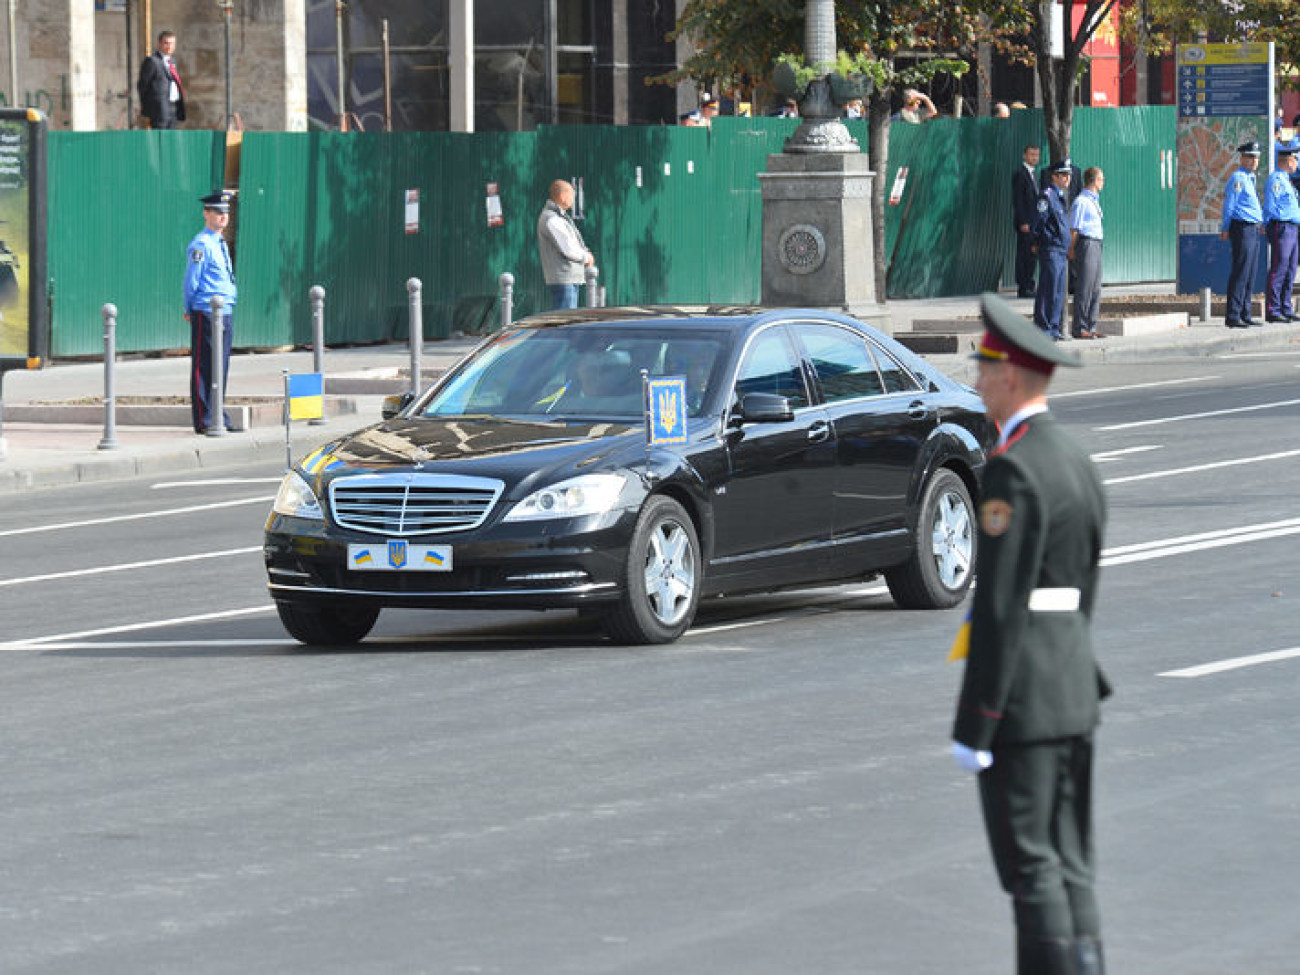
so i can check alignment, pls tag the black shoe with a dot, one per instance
(1026, 294)
(1278, 319)
(1233, 323)
(1249, 322)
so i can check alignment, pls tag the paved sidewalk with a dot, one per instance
(41, 455)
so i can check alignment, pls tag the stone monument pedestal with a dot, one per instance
(817, 237)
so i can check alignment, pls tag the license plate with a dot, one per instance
(399, 556)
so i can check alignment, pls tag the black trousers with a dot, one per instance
(1026, 263)
(1037, 801)
(201, 368)
(1244, 238)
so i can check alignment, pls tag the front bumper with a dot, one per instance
(524, 565)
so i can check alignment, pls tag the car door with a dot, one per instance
(772, 510)
(882, 418)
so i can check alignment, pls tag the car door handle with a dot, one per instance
(917, 409)
(819, 431)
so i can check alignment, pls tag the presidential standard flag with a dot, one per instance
(667, 414)
(307, 396)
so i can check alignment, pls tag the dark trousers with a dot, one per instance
(1025, 263)
(1037, 801)
(201, 368)
(1049, 302)
(1282, 239)
(1244, 238)
(1087, 293)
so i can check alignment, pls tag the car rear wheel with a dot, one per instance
(663, 577)
(939, 572)
(327, 626)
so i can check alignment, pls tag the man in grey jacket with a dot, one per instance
(560, 246)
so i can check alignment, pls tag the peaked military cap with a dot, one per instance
(1060, 167)
(218, 201)
(1250, 148)
(1011, 337)
(1290, 149)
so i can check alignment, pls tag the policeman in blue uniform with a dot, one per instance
(209, 273)
(1242, 220)
(1282, 222)
(1051, 231)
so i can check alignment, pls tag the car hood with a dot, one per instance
(503, 448)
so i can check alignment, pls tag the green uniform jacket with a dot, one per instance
(1031, 675)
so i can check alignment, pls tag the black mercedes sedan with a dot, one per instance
(815, 450)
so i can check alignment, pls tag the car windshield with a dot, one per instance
(577, 371)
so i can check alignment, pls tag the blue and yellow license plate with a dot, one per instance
(399, 556)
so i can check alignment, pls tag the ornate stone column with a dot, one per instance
(817, 232)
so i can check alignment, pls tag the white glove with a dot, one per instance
(970, 759)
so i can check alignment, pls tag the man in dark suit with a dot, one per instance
(162, 97)
(1024, 204)
(1030, 697)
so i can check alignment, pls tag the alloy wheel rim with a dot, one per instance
(952, 541)
(669, 573)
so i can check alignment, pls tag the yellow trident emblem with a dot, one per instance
(668, 410)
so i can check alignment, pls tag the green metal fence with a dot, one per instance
(672, 214)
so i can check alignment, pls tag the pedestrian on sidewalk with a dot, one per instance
(209, 273)
(1085, 254)
(1242, 222)
(1024, 202)
(563, 252)
(1030, 696)
(1282, 220)
(1051, 230)
(162, 97)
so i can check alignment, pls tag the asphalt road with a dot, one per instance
(187, 790)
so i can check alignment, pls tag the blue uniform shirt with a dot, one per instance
(1051, 225)
(1240, 201)
(208, 273)
(1280, 199)
(1085, 215)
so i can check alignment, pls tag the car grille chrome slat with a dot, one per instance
(412, 503)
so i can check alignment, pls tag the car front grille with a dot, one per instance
(412, 503)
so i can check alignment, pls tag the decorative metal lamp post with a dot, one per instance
(821, 129)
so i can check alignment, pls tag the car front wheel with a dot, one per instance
(939, 572)
(327, 626)
(663, 577)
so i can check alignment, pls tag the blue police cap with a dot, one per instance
(218, 201)
(1060, 167)
(1250, 148)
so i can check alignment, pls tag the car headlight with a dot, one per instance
(590, 494)
(296, 498)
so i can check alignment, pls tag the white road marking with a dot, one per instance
(124, 566)
(1180, 545)
(1233, 663)
(216, 482)
(1124, 389)
(1198, 416)
(148, 644)
(1108, 455)
(139, 516)
(1154, 475)
(136, 627)
(1255, 355)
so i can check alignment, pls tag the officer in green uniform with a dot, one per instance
(1032, 687)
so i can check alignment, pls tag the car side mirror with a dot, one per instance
(395, 404)
(764, 408)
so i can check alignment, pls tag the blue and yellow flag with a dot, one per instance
(307, 396)
(667, 418)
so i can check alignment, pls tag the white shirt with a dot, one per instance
(1017, 418)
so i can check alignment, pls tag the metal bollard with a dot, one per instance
(317, 296)
(507, 282)
(109, 440)
(1205, 304)
(593, 299)
(216, 418)
(417, 332)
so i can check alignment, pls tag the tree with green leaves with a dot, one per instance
(1158, 25)
(908, 43)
